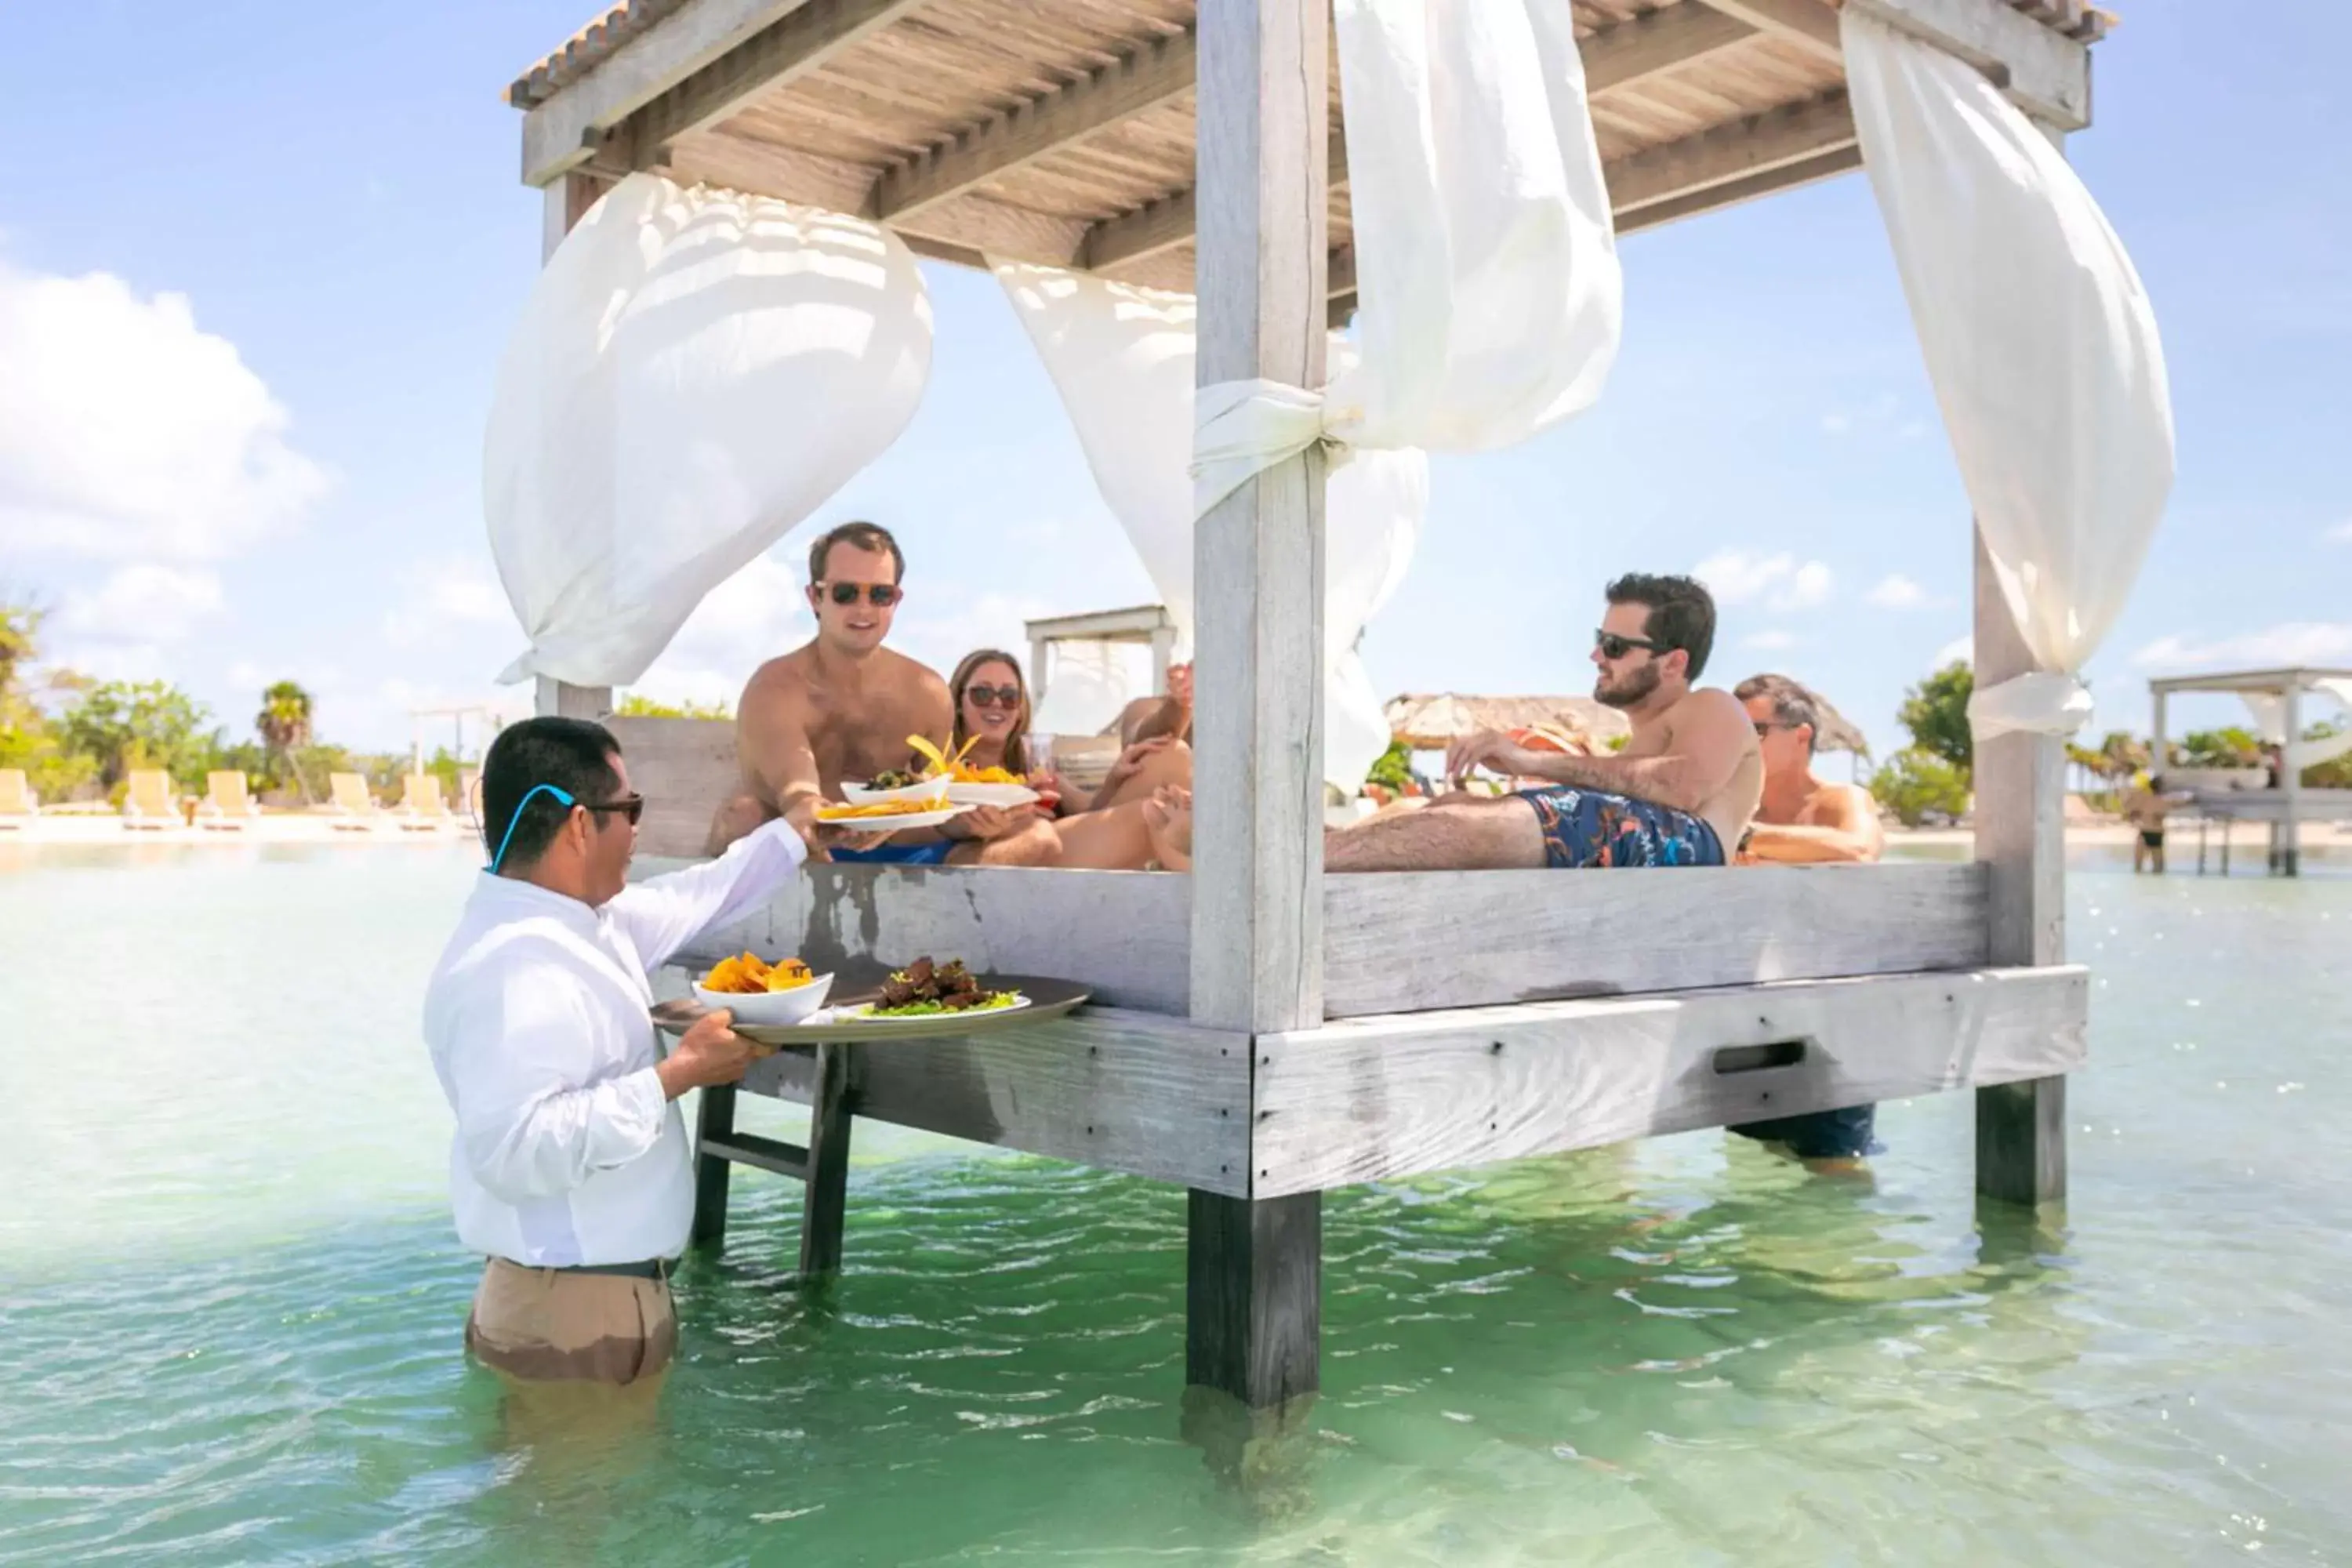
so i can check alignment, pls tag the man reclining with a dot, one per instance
(1680, 794)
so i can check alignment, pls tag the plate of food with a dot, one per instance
(758, 992)
(926, 992)
(925, 999)
(886, 815)
(898, 787)
(966, 784)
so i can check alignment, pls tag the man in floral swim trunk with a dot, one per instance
(1680, 794)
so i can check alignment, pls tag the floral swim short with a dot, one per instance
(1588, 827)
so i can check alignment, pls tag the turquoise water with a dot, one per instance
(230, 1298)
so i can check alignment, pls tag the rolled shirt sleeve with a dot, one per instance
(662, 914)
(530, 1122)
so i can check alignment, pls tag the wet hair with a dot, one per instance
(1682, 612)
(572, 755)
(870, 536)
(1791, 704)
(1016, 750)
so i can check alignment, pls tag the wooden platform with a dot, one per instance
(1368, 1098)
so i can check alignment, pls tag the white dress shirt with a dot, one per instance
(567, 1151)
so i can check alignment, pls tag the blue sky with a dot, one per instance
(293, 230)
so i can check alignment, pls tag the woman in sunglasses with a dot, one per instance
(992, 713)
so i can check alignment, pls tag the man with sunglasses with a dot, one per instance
(1680, 794)
(1805, 820)
(570, 1168)
(841, 708)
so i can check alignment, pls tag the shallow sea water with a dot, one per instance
(230, 1299)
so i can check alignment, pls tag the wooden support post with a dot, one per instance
(1254, 1298)
(716, 1119)
(568, 199)
(2289, 828)
(1254, 1292)
(2158, 748)
(823, 1214)
(2021, 836)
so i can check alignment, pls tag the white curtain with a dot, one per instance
(694, 374)
(2270, 722)
(1088, 685)
(1123, 359)
(1490, 300)
(1490, 305)
(2041, 347)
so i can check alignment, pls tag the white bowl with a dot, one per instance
(769, 1006)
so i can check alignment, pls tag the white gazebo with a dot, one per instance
(2276, 699)
(1265, 1034)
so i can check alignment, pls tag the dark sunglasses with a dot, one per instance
(993, 696)
(881, 596)
(1612, 646)
(632, 806)
(1766, 726)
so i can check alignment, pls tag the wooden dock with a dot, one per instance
(1268, 1035)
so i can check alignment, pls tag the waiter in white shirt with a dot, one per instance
(569, 1166)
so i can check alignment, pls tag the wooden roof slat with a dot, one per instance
(802, 42)
(1756, 146)
(1159, 72)
(1810, 25)
(1647, 46)
(1732, 192)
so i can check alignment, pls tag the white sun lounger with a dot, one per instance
(150, 802)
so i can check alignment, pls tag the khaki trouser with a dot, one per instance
(551, 1325)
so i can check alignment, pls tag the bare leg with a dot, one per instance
(738, 817)
(1033, 844)
(1168, 824)
(1459, 832)
(1160, 770)
(1098, 840)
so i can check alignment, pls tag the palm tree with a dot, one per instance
(20, 626)
(284, 723)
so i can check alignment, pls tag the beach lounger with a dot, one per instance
(150, 802)
(18, 803)
(228, 803)
(356, 810)
(421, 808)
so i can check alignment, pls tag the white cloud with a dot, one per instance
(458, 591)
(126, 431)
(1769, 641)
(144, 601)
(1836, 424)
(750, 617)
(1780, 582)
(2341, 534)
(2293, 643)
(1896, 591)
(1962, 650)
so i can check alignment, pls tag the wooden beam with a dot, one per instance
(1135, 1092)
(714, 1125)
(1163, 225)
(804, 40)
(1740, 151)
(563, 205)
(559, 133)
(1732, 192)
(1261, 153)
(2040, 68)
(1663, 41)
(1371, 1098)
(1810, 25)
(824, 1206)
(1413, 940)
(1155, 74)
(1252, 1308)
(2020, 782)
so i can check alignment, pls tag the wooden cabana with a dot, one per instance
(2282, 805)
(1268, 1034)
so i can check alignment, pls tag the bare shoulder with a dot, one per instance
(912, 676)
(778, 687)
(1708, 709)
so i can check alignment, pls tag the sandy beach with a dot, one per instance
(270, 827)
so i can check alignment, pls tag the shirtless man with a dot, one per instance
(2145, 807)
(842, 707)
(1680, 794)
(1802, 819)
(1806, 820)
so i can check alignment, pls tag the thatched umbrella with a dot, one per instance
(1430, 723)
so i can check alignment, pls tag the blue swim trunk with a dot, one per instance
(1821, 1134)
(1590, 827)
(935, 853)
